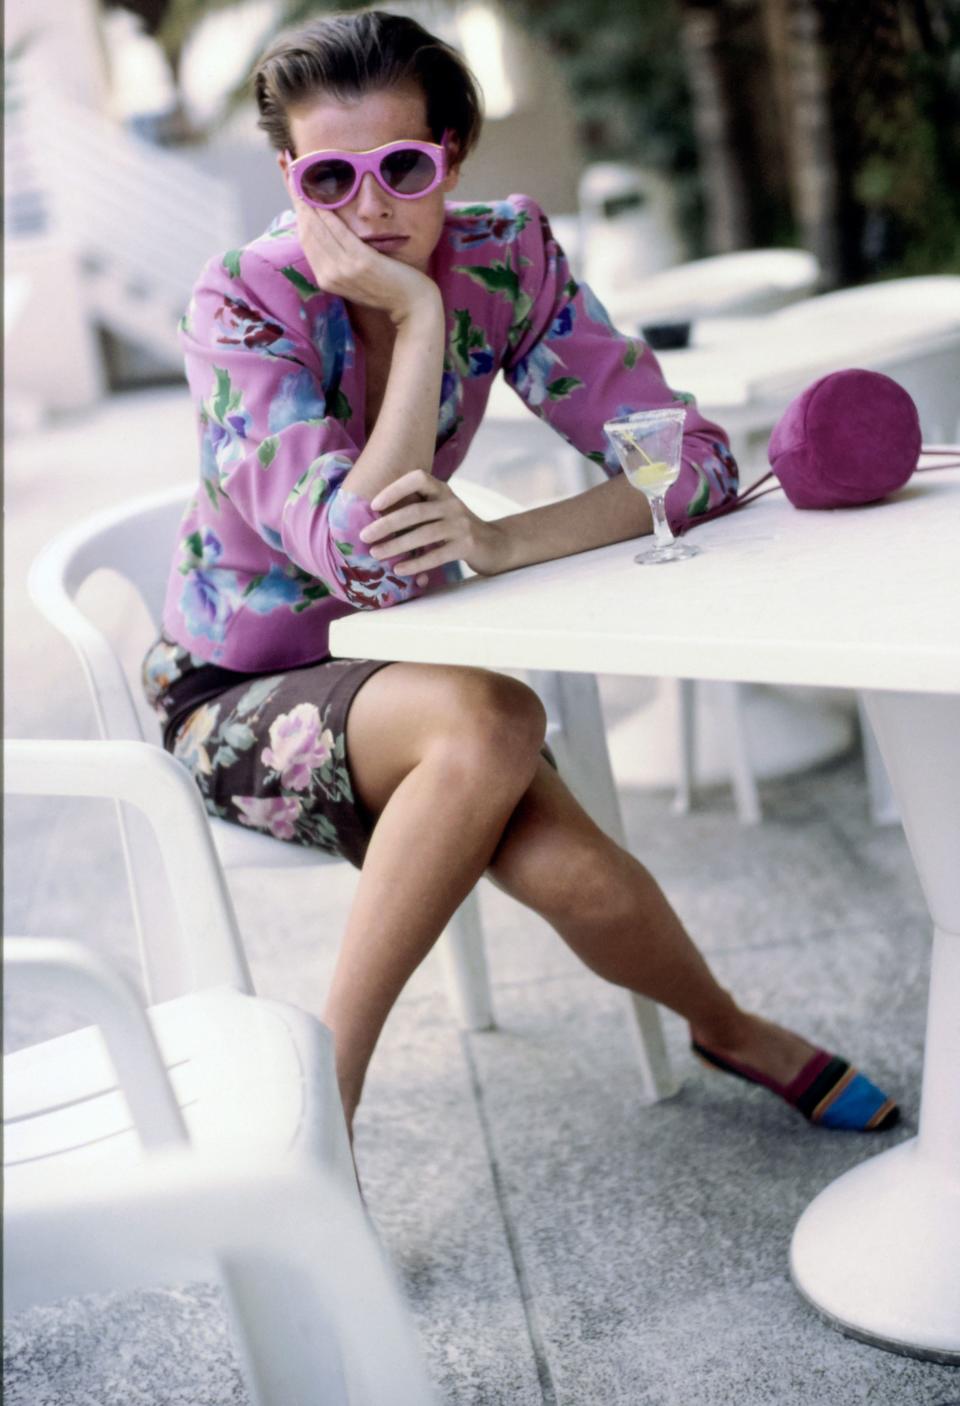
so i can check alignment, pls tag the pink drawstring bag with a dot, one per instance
(850, 438)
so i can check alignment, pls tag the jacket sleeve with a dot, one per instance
(575, 370)
(265, 355)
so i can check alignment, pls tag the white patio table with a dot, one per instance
(865, 598)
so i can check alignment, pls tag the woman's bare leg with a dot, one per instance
(449, 761)
(442, 757)
(612, 913)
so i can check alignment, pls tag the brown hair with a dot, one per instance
(355, 52)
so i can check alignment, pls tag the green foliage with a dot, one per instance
(623, 63)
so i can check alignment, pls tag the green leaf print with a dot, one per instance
(477, 210)
(346, 548)
(630, 355)
(268, 451)
(220, 403)
(192, 547)
(338, 405)
(304, 286)
(562, 387)
(254, 584)
(311, 594)
(464, 337)
(683, 397)
(318, 491)
(698, 503)
(571, 288)
(256, 695)
(239, 736)
(211, 488)
(497, 278)
(597, 456)
(231, 262)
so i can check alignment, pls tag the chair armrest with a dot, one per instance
(70, 969)
(206, 934)
(115, 712)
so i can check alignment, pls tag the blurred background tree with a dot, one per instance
(819, 122)
(822, 123)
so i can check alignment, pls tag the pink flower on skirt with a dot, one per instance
(277, 815)
(297, 745)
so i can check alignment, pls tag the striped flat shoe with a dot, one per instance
(828, 1091)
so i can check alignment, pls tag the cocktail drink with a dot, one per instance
(648, 444)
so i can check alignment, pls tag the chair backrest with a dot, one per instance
(135, 540)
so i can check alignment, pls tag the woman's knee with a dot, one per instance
(489, 723)
(481, 725)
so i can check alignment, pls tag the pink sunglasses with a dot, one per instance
(408, 170)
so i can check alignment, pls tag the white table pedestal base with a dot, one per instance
(878, 1252)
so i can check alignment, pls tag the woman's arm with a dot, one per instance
(574, 370)
(405, 433)
(611, 512)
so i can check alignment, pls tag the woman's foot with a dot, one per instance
(823, 1087)
(759, 1044)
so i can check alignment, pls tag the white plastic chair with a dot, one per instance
(134, 540)
(203, 1137)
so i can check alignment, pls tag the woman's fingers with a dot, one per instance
(431, 534)
(440, 556)
(430, 510)
(416, 481)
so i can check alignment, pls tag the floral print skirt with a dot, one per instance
(267, 750)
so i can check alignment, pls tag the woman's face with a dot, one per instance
(390, 115)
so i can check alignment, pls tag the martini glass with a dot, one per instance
(648, 445)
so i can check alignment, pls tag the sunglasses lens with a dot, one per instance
(408, 171)
(326, 182)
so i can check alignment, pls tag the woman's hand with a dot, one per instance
(425, 524)
(343, 264)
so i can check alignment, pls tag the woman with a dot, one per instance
(317, 357)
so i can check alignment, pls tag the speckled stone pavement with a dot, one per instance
(560, 1244)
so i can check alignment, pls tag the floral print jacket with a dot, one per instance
(269, 550)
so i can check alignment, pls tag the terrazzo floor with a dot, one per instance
(560, 1244)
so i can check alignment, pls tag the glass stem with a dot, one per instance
(661, 526)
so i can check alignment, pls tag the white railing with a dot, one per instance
(145, 218)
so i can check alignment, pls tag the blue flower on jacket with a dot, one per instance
(298, 398)
(721, 471)
(209, 470)
(451, 394)
(228, 422)
(273, 591)
(594, 308)
(481, 362)
(531, 375)
(333, 340)
(562, 324)
(206, 601)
